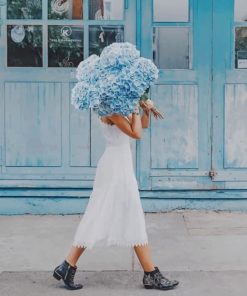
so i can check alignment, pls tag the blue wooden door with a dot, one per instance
(176, 151)
(229, 147)
(45, 142)
(201, 50)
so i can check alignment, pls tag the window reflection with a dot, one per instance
(24, 9)
(106, 9)
(241, 48)
(240, 11)
(171, 48)
(171, 11)
(101, 36)
(65, 46)
(65, 9)
(24, 46)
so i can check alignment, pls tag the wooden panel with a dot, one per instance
(33, 124)
(235, 155)
(181, 183)
(79, 136)
(198, 200)
(174, 140)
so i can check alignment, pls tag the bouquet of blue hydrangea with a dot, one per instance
(113, 82)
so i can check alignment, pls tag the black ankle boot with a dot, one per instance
(66, 272)
(155, 280)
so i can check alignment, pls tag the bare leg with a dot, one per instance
(74, 255)
(144, 256)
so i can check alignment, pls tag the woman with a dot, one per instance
(114, 214)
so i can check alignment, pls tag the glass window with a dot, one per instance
(24, 9)
(24, 46)
(171, 11)
(65, 46)
(65, 9)
(241, 47)
(101, 36)
(171, 47)
(106, 9)
(240, 10)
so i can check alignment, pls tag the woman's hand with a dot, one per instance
(147, 106)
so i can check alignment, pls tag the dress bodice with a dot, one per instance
(113, 135)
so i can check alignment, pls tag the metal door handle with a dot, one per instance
(126, 4)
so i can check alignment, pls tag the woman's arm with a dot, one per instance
(145, 118)
(132, 128)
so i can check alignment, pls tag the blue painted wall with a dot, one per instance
(195, 158)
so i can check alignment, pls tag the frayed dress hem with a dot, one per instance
(119, 244)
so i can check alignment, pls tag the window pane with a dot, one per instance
(171, 11)
(65, 46)
(171, 48)
(240, 10)
(24, 46)
(101, 36)
(24, 9)
(241, 48)
(106, 9)
(65, 9)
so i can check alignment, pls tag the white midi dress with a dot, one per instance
(114, 213)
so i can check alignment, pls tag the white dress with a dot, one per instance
(114, 213)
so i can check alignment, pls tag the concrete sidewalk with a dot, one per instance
(205, 251)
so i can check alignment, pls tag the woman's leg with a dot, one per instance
(144, 256)
(74, 255)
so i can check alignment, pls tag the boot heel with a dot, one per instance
(57, 276)
(148, 287)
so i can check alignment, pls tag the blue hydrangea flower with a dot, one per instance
(113, 82)
(119, 55)
(87, 68)
(84, 96)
